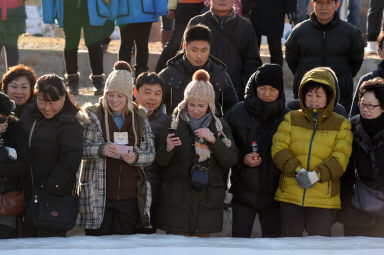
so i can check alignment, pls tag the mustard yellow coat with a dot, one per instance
(327, 148)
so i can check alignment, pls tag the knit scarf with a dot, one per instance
(201, 146)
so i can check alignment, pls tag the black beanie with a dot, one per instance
(6, 104)
(270, 74)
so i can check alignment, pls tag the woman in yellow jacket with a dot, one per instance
(311, 148)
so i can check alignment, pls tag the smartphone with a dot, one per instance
(171, 131)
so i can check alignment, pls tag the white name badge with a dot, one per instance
(120, 138)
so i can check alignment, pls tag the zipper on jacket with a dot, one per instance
(314, 121)
(324, 48)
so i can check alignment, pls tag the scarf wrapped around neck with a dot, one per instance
(201, 146)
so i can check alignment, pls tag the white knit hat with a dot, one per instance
(120, 81)
(201, 90)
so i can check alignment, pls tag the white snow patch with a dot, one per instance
(177, 245)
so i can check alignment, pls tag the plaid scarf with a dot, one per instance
(201, 147)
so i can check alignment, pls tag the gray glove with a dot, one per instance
(306, 179)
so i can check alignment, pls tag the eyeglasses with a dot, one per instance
(3, 119)
(369, 106)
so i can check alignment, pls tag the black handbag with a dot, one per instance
(199, 177)
(48, 212)
(367, 199)
(52, 213)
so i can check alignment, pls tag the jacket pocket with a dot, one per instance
(123, 9)
(216, 196)
(282, 182)
(173, 192)
(148, 6)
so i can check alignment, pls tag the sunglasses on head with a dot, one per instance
(3, 119)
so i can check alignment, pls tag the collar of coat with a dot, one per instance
(231, 16)
(330, 25)
(362, 138)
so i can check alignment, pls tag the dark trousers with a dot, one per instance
(76, 18)
(274, 46)
(316, 221)
(26, 230)
(244, 216)
(374, 19)
(9, 43)
(183, 13)
(120, 217)
(7, 232)
(137, 33)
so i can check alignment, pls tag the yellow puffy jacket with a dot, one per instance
(318, 141)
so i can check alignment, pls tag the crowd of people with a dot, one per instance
(211, 129)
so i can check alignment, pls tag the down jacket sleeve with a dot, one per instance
(282, 156)
(356, 53)
(334, 167)
(292, 52)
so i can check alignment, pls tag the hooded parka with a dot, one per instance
(317, 140)
(179, 73)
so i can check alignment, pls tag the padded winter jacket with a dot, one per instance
(338, 45)
(98, 11)
(140, 11)
(318, 141)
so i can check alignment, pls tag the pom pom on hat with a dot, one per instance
(122, 65)
(201, 75)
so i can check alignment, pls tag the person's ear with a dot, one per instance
(184, 45)
(134, 92)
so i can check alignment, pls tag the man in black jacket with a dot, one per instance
(379, 72)
(325, 40)
(233, 42)
(180, 69)
(148, 94)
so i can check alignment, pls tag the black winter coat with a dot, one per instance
(183, 209)
(11, 171)
(179, 73)
(153, 172)
(367, 158)
(56, 149)
(233, 42)
(250, 121)
(377, 73)
(338, 45)
(268, 17)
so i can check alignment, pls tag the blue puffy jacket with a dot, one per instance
(99, 12)
(140, 11)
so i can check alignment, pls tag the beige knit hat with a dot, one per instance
(120, 81)
(201, 90)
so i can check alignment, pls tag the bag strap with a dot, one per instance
(29, 144)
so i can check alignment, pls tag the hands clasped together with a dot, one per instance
(306, 179)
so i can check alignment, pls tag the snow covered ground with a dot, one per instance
(177, 245)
